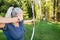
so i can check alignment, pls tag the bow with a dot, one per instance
(33, 32)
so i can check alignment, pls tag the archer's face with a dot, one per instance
(18, 14)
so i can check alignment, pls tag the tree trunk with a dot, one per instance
(46, 14)
(39, 6)
(54, 1)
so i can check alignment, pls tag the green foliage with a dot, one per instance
(25, 5)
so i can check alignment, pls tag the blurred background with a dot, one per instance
(46, 13)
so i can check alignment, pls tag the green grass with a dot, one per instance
(43, 31)
(2, 36)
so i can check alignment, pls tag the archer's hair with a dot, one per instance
(12, 12)
(15, 11)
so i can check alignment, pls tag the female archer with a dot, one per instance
(12, 24)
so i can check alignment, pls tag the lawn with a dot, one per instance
(43, 31)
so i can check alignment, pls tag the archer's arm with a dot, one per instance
(20, 16)
(8, 20)
(25, 21)
(2, 25)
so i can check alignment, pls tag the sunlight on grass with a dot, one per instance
(0, 30)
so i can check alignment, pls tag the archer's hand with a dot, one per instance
(32, 21)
